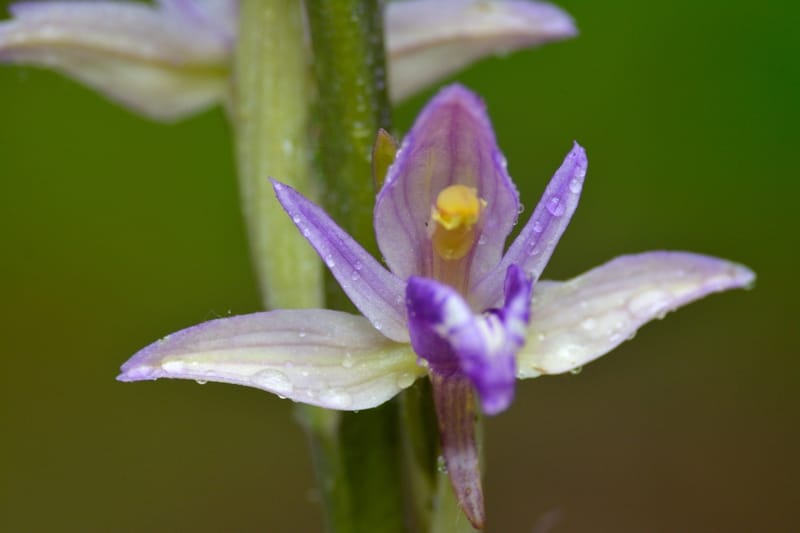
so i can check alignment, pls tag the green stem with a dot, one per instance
(347, 44)
(272, 90)
(272, 96)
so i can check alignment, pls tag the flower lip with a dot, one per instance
(456, 342)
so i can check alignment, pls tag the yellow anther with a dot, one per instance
(458, 208)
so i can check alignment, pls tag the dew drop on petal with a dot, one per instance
(354, 275)
(537, 226)
(302, 334)
(405, 380)
(200, 381)
(347, 362)
(336, 399)
(575, 185)
(329, 261)
(272, 380)
(556, 206)
(577, 370)
(589, 324)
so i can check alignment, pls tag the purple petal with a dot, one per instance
(455, 412)
(537, 240)
(315, 356)
(376, 292)
(435, 313)
(452, 142)
(135, 54)
(576, 322)
(453, 340)
(427, 40)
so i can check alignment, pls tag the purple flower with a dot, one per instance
(172, 59)
(452, 304)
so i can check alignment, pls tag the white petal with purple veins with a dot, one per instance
(575, 322)
(427, 40)
(135, 54)
(314, 356)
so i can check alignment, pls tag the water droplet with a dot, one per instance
(577, 370)
(589, 323)
(336, 399)
(481, 240)
(347, 362)
(302, 334)
(329, 261)
(533, 249)
(575, 185)
(556, 206)
(537, 226)
(296, 219)
(405, 380)
(358, 265)
(377, 325)
(520, 208)
(306, 232)
(272, 380)
(200, 381)
(441, 465)
(354, 275)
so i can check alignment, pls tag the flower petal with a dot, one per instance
(219, 17)
(375, 291)
(315, 356)
(453, 340)
(535, 244)
(138, 55)
(579, 320)
(455, 412)
(427, 40)
(452, 142)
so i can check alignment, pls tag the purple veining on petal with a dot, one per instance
(452, 142)
(455, 412)
(428, 40)
(376, 292)
(134, 54)
(315, 356)
(537, 240)
(576, 322)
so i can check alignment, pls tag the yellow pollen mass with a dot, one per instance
(458, 208)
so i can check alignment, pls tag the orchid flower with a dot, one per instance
(172, 59)
(452, 304)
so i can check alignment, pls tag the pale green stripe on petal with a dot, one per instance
(575, 322)
(315, 356)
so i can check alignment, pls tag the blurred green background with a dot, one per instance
(116, 231)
